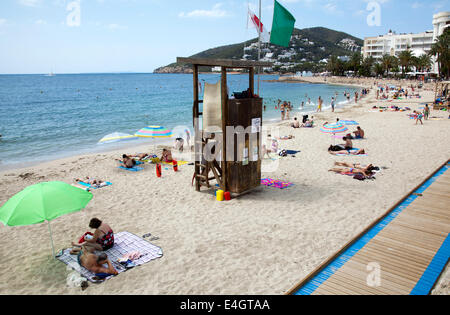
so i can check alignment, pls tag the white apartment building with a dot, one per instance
(393, 44)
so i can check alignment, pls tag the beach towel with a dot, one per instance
(349, 122)
(94, 186)
(275, 183)
(292, 152)
(133, 169)
(125, 243)
(178, 162)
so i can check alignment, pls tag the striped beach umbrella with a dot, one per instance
(116, 137)
(334, 128)
(154, 132)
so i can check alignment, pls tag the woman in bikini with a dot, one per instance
(166, 156)
(103, 238)
(366, 171)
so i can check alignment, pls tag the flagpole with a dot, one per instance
(259, 44)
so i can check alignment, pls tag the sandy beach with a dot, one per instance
(263, 242)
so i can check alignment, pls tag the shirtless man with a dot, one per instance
(96, 263)
(127, 161)
(359, 133)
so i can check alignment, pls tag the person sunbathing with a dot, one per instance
(345, 152)
(370, 167)
(95, 263)
(367, 171)
(140, 156)
(166, 156)
(91, 181)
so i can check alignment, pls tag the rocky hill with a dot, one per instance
(308, 46)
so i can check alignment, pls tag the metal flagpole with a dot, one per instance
(259, 43)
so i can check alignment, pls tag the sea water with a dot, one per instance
(48, 117)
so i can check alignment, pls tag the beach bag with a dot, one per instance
(82, 239)
(283, 153)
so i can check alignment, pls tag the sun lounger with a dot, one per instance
(125, 243)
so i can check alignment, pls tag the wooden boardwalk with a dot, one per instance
(404, 252)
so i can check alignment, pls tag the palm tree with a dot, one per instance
(405, 58)
(355, 62)
(424, 62)
(379, 69)
(388, 62)
(441, 50)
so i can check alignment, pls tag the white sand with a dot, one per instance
(262, 243)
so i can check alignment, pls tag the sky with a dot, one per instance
(84, 36)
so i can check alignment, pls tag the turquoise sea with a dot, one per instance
(48, 117)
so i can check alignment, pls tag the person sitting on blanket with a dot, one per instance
(345, 152)
(127, 161)
(166, 156)
(91, 181)
(309, 123)
(359, 133)
(102, 240)
(348, 143)
(95, 263)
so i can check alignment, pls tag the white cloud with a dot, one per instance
(41, 22)
(215, 12)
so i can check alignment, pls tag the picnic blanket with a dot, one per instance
(124, 243)
(133, 169)
(275, 183)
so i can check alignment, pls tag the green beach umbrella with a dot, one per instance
(43, 202)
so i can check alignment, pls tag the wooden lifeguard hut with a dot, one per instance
(238, 171)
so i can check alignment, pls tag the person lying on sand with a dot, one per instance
(345, 152)
(166, 156)
(103, 238)
(367, 171)
(95, 263)
(91, 181)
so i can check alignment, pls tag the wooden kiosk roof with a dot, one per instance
(227, 63)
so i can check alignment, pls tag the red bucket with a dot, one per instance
(227, 196)
(175, 166)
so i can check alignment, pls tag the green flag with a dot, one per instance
(282, 26)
